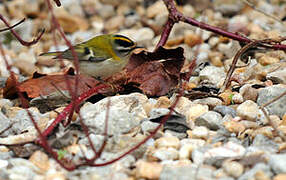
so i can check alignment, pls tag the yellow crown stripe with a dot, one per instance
(123, 39)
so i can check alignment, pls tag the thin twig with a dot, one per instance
(273, 100)
(239, 54)
(9, 28)
(163, 121)
(8, 127)
(269, 119)
(68, 108)
(75, 61)
(233, 65)
(176, 16)
(24, 43)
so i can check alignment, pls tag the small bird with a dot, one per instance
(101, 56)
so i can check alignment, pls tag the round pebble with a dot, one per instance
(233, 168)
(248, 110)
(200, 132)
(166, 142)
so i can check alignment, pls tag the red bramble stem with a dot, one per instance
(175, 16)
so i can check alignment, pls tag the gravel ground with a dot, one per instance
(222, 136)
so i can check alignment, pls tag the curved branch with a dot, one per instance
(9, 28)
(69, 108)
(23, 42)
(176, 16)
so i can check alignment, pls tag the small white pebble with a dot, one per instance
(233, 168)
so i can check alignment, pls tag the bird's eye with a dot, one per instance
(123, 41)
(86, 51)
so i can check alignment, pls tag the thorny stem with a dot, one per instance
(68, 108)
(165, 34)
(74, 54)
(24, 43)
(74, 104)
(42, 138)
(163, 121)
(176, 16)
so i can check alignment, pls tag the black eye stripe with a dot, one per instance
(124, 50)
(124, 43)
(86, 51)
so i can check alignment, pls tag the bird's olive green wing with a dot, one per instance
(85, 53)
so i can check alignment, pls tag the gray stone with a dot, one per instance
(186, 172)
(6, 102)
(21, 172)
(196, 143)
(176, 134)
(278, 76)
(5, 123)
(210, 101)
(233, 168)
(229, 49)
(260, 167)
(22, 121)
(213, 74)
(158, 112)
(97, 140)
(166, 154)
(267, 94)
(52, 101)
(116, 170)
(211, 120)
(22, 129)
(254, 155)
(198, 155)
(22, 169)
(3, 82)
(237, 99)
(223, 110)
(227, 7)
(131, 20)
(226, 178)
(216, 155)
(106, 11)
(248, 92)
(124, 113)
(265, 143)
(248, 110)
(4, 174)
(148, 126)
(221, 175)
(6, 155)
(278, 163)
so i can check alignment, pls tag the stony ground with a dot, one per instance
(208, 136)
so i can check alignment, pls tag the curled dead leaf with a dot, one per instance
(155, 73)
(42, 85)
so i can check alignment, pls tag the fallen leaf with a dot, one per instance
(43, 85)
(155, 73)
